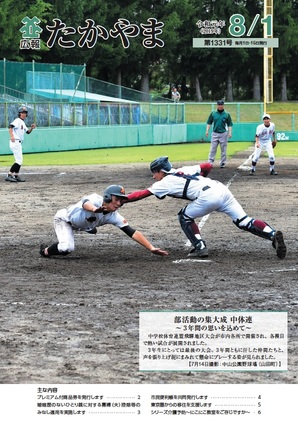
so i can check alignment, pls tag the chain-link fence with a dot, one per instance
(40, 82)
(49, 114)
(62, 95)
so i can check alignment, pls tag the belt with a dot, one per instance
(206, 188)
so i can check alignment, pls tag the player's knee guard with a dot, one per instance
(248, 224)
(187, 227)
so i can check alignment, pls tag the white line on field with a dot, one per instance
(273, 270)
(191, 260)
(36, 173)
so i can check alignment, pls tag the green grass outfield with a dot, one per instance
(176, 153)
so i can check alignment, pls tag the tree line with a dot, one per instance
(203, 74)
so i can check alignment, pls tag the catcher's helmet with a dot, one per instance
(113, 190)
(22, 110)
(161, 164)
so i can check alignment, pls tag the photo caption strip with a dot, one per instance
(213, 341)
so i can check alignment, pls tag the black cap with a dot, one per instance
(220, 102)
(161, 164)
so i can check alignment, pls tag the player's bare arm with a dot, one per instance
(142, 240)
(33, 126)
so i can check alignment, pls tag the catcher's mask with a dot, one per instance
(161, 164)
(114, 190)
(22, 110)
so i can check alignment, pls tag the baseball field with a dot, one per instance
(75, 319)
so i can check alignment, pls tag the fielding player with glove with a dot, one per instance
(89, 213)
(205, 196)
(265, 139)
(17, 130)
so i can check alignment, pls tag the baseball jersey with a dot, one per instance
(19, 128)
(221, 121)
(265, 133)
(181, 184)
(83, 220)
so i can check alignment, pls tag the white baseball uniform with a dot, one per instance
(75, 218)
(265, 135)
(19, 129)
(206, 195)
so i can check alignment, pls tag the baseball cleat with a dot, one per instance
(279, 245)
(41, 251)
(92, 231)
(273, 172)
(252, 172)
(198, 253)
(10, 178)
(17, 178)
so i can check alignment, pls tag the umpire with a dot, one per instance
(222, 130)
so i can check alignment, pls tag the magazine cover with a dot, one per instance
(119, 301)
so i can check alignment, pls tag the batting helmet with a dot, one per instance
(22, 110)
(160, 164)
(113, 190)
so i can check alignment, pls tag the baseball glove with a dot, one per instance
(273, 143)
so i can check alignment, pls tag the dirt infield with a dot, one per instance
(75, 319)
